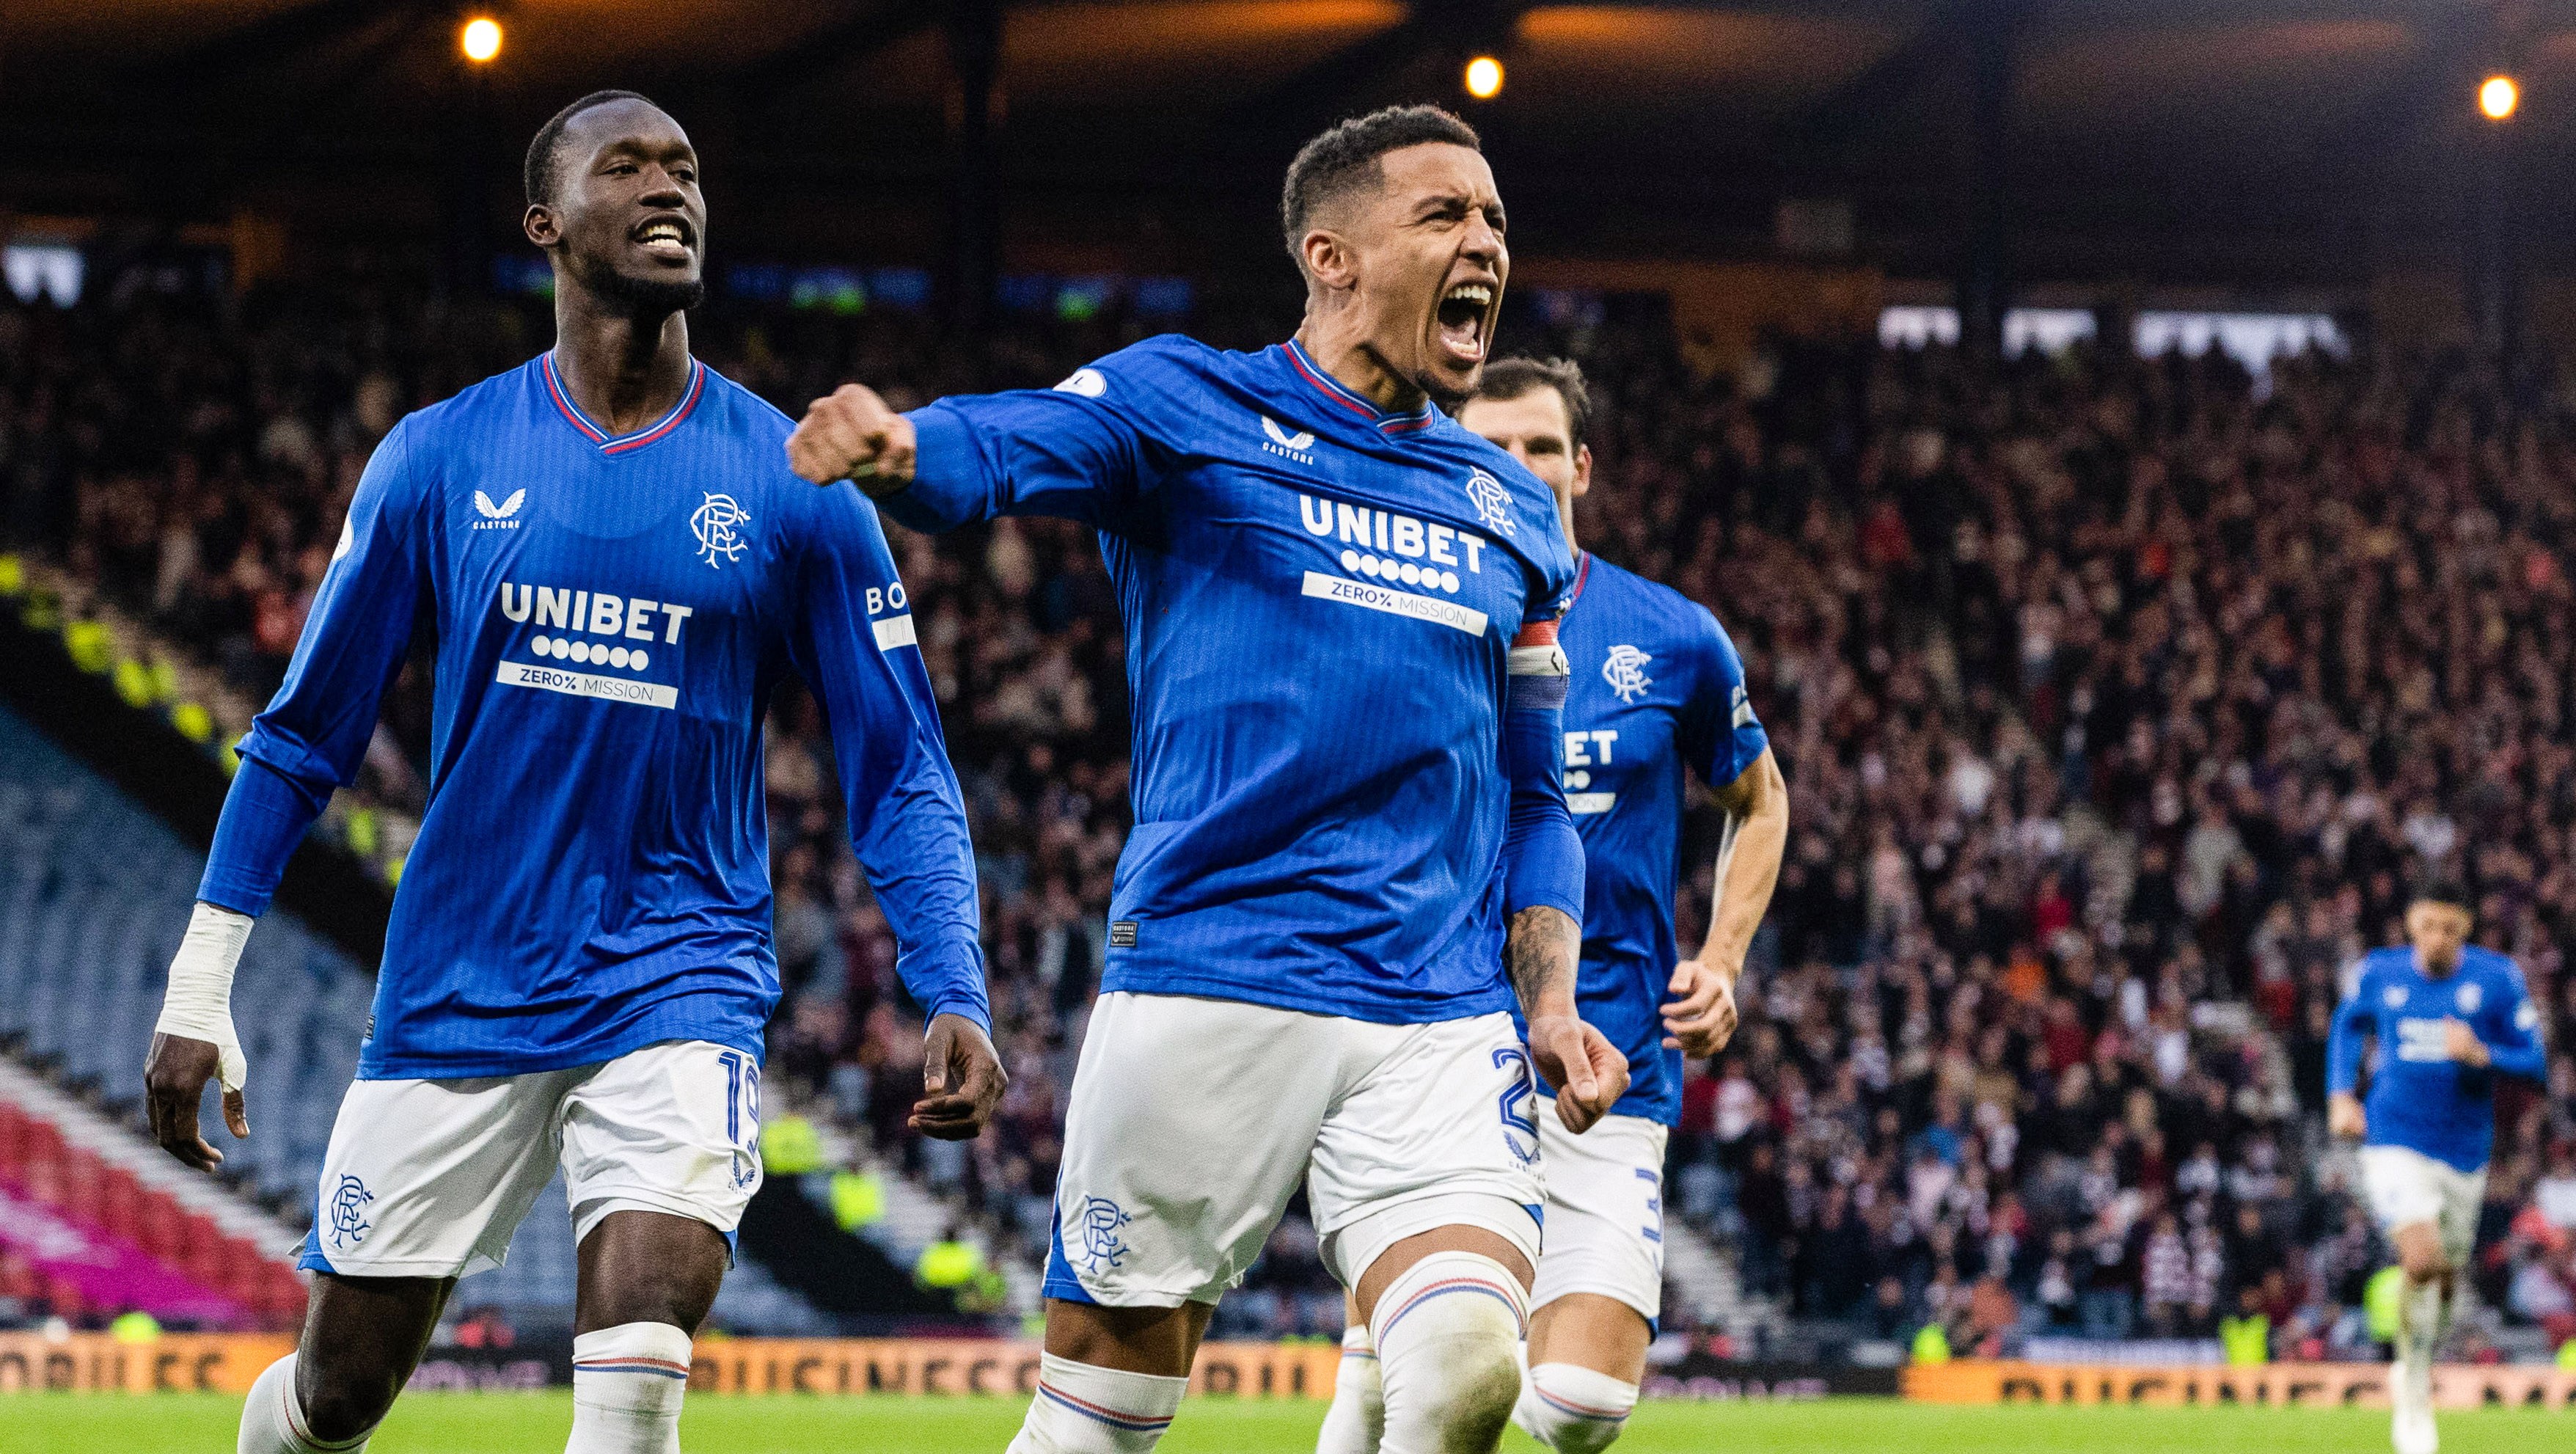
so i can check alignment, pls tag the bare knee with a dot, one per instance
(362, 1337)
(649, 1267)
(339, 1408)
(1158, 1341)
(345, 1390)
(2423, 1264)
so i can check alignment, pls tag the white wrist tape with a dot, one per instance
(199, 1003)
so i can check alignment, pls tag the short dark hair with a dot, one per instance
(1335, 162)
(539, 173)
(2444, 890)
(1513, 378)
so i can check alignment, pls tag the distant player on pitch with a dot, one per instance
(1341, 619)
(1657, 695)
(2450, 1017)
(619, 570)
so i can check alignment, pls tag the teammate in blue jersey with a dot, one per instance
(2449, 1018)
(618, 570)
(1341, 621)
(1657, 696)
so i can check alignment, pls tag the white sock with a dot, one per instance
(1357, 1419)
(1573, 1409)
(2419, 1329)
(1082, 1409)
(1448, 1333)
(626, 1388)
(272, 1421)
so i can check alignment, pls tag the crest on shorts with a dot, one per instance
(349, 1212)
(2469, 998)
(1096, 1227)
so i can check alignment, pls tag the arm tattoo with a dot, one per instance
(1539, 953)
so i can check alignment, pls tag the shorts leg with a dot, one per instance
(1441, 1131)
(1187, 1127)
(672, 1128)
(1605, 1211)
(429, 1178)
(2403, 1187)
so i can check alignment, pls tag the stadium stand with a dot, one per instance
(2120, 700)
(96, 892)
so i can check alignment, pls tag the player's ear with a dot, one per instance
(1582, 470)
(540, 225)
(1328, 259)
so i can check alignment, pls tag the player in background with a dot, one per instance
(2449, 1017)
(619, 570)
(1341, 621)
(1657, 694)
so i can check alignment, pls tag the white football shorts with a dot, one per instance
(1192, 1120)
(1605, 1211)
(429, 1178)
(2406, 1186)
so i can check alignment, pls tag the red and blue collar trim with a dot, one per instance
(1582, 573)
(1340, 393)
(620, 444)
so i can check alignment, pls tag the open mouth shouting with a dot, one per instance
(1464, 322)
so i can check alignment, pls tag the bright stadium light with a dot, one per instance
(1484, 78)
(480, 39)
(2499, 98)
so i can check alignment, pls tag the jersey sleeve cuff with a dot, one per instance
(265, 815)
(948, 474)
(947, 977)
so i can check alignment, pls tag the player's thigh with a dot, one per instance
(1186, 1129)
(672, 1128)
(1440, 1132)
(1604, 1231)
(428, 1178)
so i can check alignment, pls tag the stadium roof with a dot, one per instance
(2244, 138)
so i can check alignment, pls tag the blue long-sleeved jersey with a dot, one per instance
(1657, 693)
(2420, 1098)
(1321, 601)
(611, 614)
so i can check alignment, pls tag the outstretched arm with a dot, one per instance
(972, 457)
(309, 741)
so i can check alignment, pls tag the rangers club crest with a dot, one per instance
(1493, 506)
(1097, 1226)
(348, 1212)
(714, 524)
(1625, 671)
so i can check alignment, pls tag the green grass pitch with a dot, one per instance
(536, 1424)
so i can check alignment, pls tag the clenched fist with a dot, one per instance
(850, 434)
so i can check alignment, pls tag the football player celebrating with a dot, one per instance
(619, 569)
(1352, 855)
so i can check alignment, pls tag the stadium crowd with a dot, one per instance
(2120, 702)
